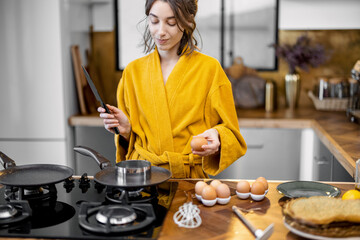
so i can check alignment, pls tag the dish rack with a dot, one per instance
(329, 104)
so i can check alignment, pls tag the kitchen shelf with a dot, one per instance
(86, 121)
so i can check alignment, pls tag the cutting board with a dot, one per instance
(86, 98)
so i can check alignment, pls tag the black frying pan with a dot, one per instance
(32, 175)
(109, 175)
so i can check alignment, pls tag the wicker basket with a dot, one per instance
(329, 104)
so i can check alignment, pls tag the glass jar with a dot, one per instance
(335, 87)
(323, 90)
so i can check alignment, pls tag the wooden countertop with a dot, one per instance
(335, 131)
(219, 222)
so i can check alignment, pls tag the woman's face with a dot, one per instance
(163, 27)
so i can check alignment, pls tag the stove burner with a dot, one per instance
(35, 191)
(116, 215)
(137, 195)
(7, 211)
(36, 196)
(90, 212)
(14, 212)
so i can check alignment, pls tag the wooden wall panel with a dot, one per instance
(345, 45)
(102, 61)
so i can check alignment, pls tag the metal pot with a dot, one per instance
(126, 174)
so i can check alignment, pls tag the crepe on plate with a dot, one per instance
(324, 216)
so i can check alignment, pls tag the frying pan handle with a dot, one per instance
(6, 161)
(100, 159)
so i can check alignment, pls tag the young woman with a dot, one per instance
(172, 94)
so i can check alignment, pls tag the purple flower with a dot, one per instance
(302, 54)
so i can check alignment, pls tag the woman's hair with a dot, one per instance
(184, 11)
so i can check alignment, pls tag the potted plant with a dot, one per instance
(301, 55)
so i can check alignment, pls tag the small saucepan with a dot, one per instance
(32, 175)
(125, 174)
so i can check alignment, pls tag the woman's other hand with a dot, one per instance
(213, 146)
(117, 118)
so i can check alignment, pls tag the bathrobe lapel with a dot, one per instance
(160, 107)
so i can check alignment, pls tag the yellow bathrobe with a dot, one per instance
(197, 96)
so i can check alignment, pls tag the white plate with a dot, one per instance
(312, 236)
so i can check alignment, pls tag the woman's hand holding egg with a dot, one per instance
(212, 145)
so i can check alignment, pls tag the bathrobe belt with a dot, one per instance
(176, 161)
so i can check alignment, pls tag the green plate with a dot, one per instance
(297, 189)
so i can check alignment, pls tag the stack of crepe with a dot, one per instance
(324, 216)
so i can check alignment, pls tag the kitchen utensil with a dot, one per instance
(353, 111)
(188, 215)
(258, 233)
(249, 91)
(33, 174)
(80, 81)
(296, 189)
(125, 174)
(97, 95)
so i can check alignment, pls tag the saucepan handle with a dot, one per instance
(100, 159)
(6, 161)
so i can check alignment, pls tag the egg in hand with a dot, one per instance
(197, 142)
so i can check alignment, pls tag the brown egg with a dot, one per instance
(243, 186)
(197, 142)
(257, 188)
(223, 190)
(199, 186)
(215, 183)
(263, 181)
(208, 193)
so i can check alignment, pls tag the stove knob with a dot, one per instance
(99, 187)
(69, 184)
(84, 183)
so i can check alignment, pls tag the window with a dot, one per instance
(228, 29)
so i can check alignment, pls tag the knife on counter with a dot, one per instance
(97, 95)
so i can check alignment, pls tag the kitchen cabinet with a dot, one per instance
(272, 153)
(285, 154)
(326, 167)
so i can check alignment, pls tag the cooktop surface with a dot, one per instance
(82, 209)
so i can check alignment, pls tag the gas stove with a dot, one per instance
(80, 208)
